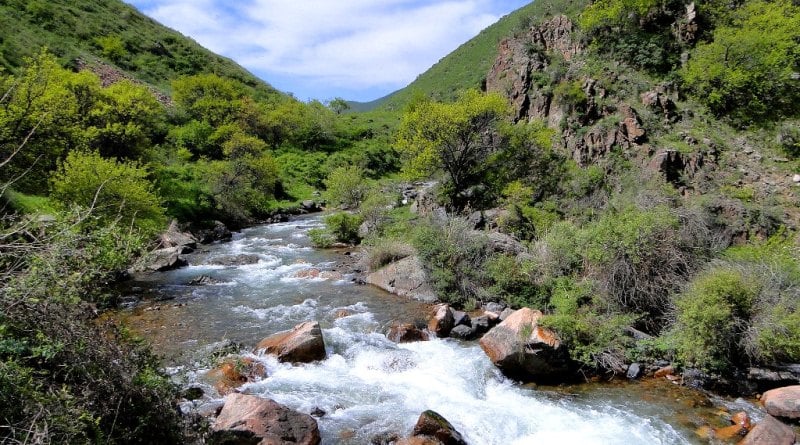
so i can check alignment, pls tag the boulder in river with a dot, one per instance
(432, 424)
(173, 237)
(301, 344)
(167, 259)
(405, 278)
(235, 372)
(770, 431)
(524, 350)
(406, 333)
(443, 321)
(235, 260)
(247, 419)
(219, 232)
(783, 402)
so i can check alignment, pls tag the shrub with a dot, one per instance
(111, 189)
(387, 251)
(514, 281)
(711, 314)
(340, 227)
(346, 187)
(453, 255)
(747, 71)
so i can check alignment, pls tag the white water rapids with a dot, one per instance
(368, 385)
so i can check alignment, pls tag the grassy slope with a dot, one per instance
(152, 52)
(466, 67)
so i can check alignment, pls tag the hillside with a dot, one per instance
(466, 67)
(108, 32)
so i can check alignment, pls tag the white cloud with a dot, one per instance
(336, 45)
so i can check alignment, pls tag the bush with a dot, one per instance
(710, 317)
(346, 187)
(453, 256)
(514, 281)
(340, 227)
(747, 71)
(110, 189)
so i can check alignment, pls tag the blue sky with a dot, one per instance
(322, 49)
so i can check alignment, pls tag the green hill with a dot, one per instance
(466, 67)
(109, 32)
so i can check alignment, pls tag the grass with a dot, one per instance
(29, 204)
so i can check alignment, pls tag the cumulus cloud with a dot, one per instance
(327, 48)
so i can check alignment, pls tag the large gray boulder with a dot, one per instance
(173, 237)
(524, 350)
(167, 259)
(301, 344)
(405, 278)
(247, 419)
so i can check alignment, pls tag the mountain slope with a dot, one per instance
(466, 67)
(109, 32)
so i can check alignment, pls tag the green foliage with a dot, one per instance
(709, 318)
(595, 338)
(789, 138)
(112, 47)
(514, 281)
(746, 72)
(208, 97)
(341, 227)
(387, 251)
(453, 256)
(450, 137)
(346, 187)
(607, 13)
(110, 189)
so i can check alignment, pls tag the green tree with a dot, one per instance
(346, 186)
(749, 70)
(456, 138)
(111, 189)
(208, 97)
(338, 105)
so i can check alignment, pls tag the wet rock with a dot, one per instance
(405, 278)
(432, 424)
(302, 344)
(406, 333)
(482, 324)
(167, 259)
(385, 438)
(235, 260)
(461, 318)
(219, 232)
(316, 273)
(462, 332)
(766, 379)
(442, 322)
(664, 371)
(318, 412)
(235, 372)
(173, 237)
(494, 307)
(341, 313)
(310, 205)
(418, 440)
(783, 402)
(634, 371)
(249, 419)
(202, 280)
(522, 349)
(694, 378)
(770, 431)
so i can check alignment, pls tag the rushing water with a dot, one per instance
(368, 385)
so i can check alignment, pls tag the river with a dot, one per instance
(369, 385)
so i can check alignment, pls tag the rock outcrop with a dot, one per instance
(783, 402)
(770, 431)
(524, 350)
(443, 321)
(406, 333)
(302, 344)
(167, 259)
(432, 428)
(173, 237)
(405, 278)
(247, 419)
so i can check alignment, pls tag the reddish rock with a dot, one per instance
(665, 371)
(432, 424)
(406, 333)
(341, 313)
(302, 344)
(770, 431)
(442, 322)
(234, 372)
(523, 349)
(247, 419)
(783, 402)
(740, 427)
